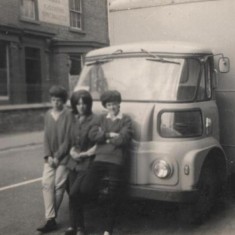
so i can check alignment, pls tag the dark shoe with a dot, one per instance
(70, 231)
(49, 226)
(81, 231)
(107, 233)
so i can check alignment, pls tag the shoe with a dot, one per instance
(107, 233)
(81, 231)
(49, 226)
(70, 231)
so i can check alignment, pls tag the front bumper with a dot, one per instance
(144, 192)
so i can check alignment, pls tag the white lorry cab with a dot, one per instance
(168, 89)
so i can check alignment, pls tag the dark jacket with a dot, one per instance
(56, 135)
(79, 138)
(111, 150)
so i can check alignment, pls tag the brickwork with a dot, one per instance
(55, 43)
(24, 119)
(94, 21)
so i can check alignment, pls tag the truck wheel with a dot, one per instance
(198, 211)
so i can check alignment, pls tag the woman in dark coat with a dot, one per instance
(81, 156)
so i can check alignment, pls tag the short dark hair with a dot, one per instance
(110, 96)
(86, 98)
(59, 92)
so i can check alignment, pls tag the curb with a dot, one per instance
(16, 141)
(20, 147)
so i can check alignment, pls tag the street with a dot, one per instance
(22, 205)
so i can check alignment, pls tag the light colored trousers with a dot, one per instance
(53, 187)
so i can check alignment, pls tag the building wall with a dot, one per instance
(39, 55)
(95, 21)
(55, 43)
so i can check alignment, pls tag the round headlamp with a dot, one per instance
(162, 169)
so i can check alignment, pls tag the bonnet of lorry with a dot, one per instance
(146, 145)
(149, 148)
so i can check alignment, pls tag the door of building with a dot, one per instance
(33, 75)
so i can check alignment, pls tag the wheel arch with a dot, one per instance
(217, 159)
(209, 187)
(198, 159)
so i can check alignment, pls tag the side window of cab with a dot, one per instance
(204, 89)
(209, 79)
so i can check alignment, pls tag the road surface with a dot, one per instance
(21, 206)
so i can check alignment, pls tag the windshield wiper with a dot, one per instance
(158, 58)
(104, 59)
(99, 61)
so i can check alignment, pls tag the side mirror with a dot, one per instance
(224, 65)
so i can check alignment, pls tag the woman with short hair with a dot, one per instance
(112, 133)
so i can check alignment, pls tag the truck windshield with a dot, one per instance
(140, 79)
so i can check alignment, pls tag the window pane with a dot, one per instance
(2, 55)
(78, 21)
(181, 124)
(3, 69)
(188, 80)
(75, 19)
(162, 81)
(201, 89)
(33, 75)
(75, 69)
(71, 19)
(75, 5)
(208, 81)
(28, 9)
(75, 13)
(71, 4)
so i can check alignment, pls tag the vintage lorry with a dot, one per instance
(171, 90)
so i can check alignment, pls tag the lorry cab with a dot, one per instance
(168, 90)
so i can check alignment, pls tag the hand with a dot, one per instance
(91, 151)
(83, 155)
(50, 161)
(113, 135)
(79, 157)
(55, 162)
(73, 153)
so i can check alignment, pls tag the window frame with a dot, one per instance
(77, 12)
(75, 56)
(159, 122)
(72, 83)
(6, 97)
(208, 80)
(25, 18)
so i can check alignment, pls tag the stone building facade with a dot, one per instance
(43, 42)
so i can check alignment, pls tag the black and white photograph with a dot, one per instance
(117, 117)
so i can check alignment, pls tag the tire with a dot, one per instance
(197, 212)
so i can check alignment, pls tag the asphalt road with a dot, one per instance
(21, 206)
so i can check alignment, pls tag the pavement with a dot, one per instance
(19, 140)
